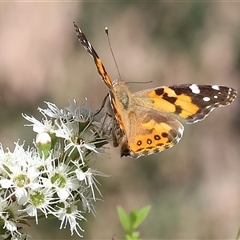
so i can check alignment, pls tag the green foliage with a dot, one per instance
(132, 221)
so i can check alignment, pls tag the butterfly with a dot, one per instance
(150, 121)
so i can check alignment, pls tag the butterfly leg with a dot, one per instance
(102, 106)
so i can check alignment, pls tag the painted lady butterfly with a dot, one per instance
(149, 120)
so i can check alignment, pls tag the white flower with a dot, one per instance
(79, 114)
(54, 112)
(54, 175)
(87, 202)
(10, 226)
(20, 181)
(89, 178)
(12, 158)
(10, 215)
(69, 131)
(62, 179)
(40, 199)
(20, 175)
(40, 127)
(70, 215)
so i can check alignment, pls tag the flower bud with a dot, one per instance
(43, 142)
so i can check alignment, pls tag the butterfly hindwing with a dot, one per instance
(155, 133)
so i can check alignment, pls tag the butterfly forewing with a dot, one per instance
(90, 49)
(190, 102)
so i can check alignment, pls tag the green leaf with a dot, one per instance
(133, 236)
(141, 215)
(125, 221)
(132, 219)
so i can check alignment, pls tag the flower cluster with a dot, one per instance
(53, 178)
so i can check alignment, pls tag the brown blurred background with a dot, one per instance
(194, 188)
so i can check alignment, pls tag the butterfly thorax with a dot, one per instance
(122, 95)
(121, 102)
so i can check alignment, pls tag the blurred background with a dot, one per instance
(193, 188)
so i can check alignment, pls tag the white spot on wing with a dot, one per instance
(229, 91)
(215, 87)
(206, 99)
(195, 89)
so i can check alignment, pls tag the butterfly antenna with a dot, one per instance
(110, 46)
